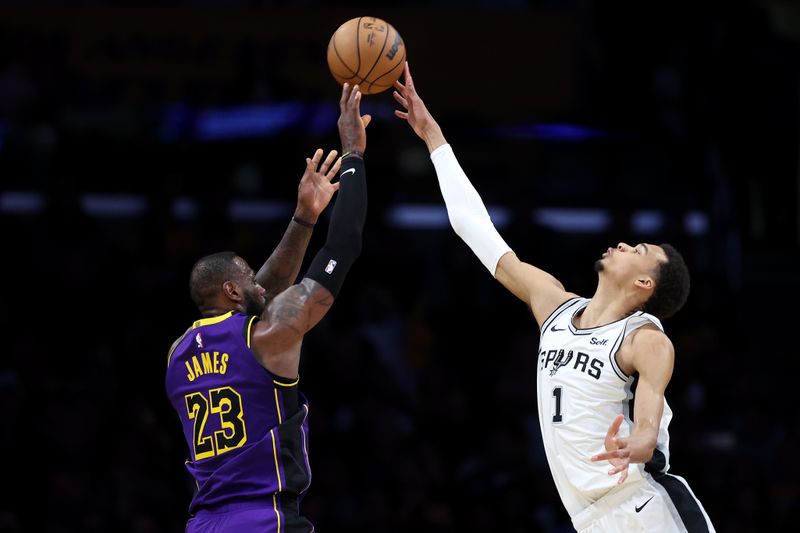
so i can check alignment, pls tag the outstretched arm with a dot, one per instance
(277, 338)
(313, 195)
(469, 217)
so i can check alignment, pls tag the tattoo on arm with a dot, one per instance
(281, 269)
(301, 306)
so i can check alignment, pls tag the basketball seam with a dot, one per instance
(375, 82)
(336, 50)
(358, 46)
(380, 54)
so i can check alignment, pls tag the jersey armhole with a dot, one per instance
(247, 329)
(175, 346)
(558, 310)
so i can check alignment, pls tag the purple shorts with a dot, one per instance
(259, 519)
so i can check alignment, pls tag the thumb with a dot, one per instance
(366, 119)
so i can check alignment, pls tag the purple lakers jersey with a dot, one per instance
(246, 429)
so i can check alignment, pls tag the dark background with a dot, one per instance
(134, 136)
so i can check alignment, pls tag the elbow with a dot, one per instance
(457, 218)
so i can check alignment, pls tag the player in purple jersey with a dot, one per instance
(233, 376)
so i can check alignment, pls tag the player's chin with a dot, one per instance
(256, 307)
(599, 266)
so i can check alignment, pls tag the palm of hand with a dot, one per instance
(315, 192)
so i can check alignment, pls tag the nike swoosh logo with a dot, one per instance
(640, 507)
(557, 329)
(348, 170)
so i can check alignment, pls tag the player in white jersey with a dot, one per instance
(604, 362)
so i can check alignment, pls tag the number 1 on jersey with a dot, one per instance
(557, 418)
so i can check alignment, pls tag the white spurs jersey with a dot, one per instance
(581, 390)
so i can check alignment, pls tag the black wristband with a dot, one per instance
(302, 222)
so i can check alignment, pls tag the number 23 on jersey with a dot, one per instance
(227, 404)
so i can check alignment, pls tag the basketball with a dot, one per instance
(366, 51)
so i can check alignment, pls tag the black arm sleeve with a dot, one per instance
(343, 245)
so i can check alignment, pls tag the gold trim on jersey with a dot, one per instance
(212, 320)
(282, 384)
(278, 407)
(277, 512)
(249, 326)
(278, 473)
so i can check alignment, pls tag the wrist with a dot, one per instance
(433, 136)
(355, 152)
(304, 218)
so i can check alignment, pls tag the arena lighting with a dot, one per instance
(252, 121)
(551, 132)
(247, 121)
(404, 216)
(258, 210)
(572, 220)
(236, 122)
(647, 221)
(426, 216)
(114, 205)
(21, 203)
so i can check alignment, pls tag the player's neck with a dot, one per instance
(216, 310)
(607, 306)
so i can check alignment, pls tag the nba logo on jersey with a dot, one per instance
(330, 267)
(199, 340)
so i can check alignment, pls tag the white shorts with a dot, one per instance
(654, 505)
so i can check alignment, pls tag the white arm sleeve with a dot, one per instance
(466, 211)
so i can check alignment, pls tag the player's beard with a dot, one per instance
(599, 266)
(254, 304)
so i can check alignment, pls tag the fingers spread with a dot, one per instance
(316, 157)
(401, 114)
(399, 86)
(334, 169)
(328, 160)
(400, 100)
(615, 426)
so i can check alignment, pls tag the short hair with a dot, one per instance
(672, 285)
(209, 273)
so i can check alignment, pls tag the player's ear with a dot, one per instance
(645, 282)
(232, 291)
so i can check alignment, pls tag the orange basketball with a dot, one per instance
(366, 51)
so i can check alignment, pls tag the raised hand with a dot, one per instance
(352, 126)
(617, 451)
(416, 114)
(316, 188)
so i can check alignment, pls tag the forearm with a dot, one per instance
(343, 244)
(468, 216)
(282, 268)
